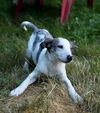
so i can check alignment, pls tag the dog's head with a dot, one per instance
(60, 48)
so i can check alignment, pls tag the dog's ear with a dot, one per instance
(73, 45)
(47, 43)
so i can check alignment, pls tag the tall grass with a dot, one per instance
(84, 71)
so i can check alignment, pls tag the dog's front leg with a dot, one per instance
(71, 91)
(29, 80)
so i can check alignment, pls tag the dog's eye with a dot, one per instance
(60, 46)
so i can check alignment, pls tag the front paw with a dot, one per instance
(77, 99)
(16, 92)
(26, 69)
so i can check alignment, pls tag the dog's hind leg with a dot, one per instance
(29, 80)
(26, 67)
(27, 61)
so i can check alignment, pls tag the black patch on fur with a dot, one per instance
(35, 41)
(43, 41)
(50, 44)
(38, 54)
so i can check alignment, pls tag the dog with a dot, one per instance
(50, 56)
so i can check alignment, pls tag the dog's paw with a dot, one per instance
(26, 69)
(16, 92)
(77, 99)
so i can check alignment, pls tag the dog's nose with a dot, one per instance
(69, 58)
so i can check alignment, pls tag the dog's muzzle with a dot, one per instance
(69, 58)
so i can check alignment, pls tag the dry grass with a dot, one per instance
(36, 100)
(49, 95)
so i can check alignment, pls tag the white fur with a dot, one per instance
(50, 64)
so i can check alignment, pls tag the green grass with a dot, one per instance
(83, 27)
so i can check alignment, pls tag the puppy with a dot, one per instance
(50, 56)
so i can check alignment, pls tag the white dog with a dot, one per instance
(49, 55)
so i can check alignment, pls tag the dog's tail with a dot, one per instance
(29, 24)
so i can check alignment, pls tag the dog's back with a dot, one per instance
(38, 36)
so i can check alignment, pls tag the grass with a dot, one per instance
(84, 72)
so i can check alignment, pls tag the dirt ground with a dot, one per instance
(40, 99)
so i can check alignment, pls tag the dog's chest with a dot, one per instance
(54, 69)
(51, 69)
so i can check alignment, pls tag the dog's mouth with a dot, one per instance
(65, 61)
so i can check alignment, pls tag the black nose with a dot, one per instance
(69, 58)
